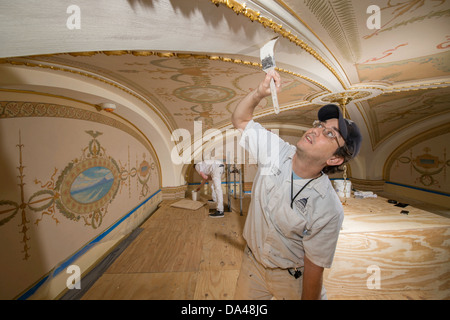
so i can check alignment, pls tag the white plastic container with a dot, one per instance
(194, 195)
(339, 187)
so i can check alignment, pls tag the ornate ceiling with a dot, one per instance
(184, 61)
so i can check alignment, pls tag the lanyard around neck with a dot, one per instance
(292, 188)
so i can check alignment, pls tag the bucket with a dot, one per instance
(339, 187)
(194, 195)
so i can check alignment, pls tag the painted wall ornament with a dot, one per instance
(427, 165)
(88, 184)
(82, 191)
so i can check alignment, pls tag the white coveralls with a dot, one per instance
(214, 169)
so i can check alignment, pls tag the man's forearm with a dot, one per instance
(245, 108)
(201, 185)
(312, 281)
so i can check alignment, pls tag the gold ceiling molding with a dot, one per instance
(343, 98)
(415, 87)
(146, 53)
(364, 92)
(258, 65)
(294, 14)
(253, 15)
(268, 112)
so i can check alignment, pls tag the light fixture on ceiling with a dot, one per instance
(356, 93)
(107, 106)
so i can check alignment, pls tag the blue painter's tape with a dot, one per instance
(417, 188)
(73, 258)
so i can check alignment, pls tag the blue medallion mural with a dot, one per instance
(92, 185)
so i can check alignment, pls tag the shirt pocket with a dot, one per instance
(305, 214)
(286, 221)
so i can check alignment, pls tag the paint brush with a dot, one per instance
(268, 63)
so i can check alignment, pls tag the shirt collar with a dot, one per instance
(319, 185)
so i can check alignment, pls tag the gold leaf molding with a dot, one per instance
(253, 15)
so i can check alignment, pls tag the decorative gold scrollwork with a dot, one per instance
(239, 8)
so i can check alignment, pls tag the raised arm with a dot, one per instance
(244, 110)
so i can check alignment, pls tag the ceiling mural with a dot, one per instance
(398, 14)
(302, 117)
(434, 66)
(186, 87)
(391, 112)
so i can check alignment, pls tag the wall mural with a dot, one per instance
(81, 192)
(427, 166)
(87, 184)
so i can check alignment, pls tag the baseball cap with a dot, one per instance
(347, 128)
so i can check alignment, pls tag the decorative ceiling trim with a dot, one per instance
(362, 92)
(185, 55)
(343, 98)
(338, 19)
(294, 14)
(18, 62)
(414, 87)
(224, 126)
(145, 141)
(253, 15)
(47, 65)
(373, 90)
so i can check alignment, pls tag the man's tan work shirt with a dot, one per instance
(278, 236)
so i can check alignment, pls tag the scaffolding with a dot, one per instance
(234, 169)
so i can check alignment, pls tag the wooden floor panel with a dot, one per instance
(144, 286)
(223, 244)
(172, 241)
(376, 214)
(216, 285)
(184, 254)
(411, 263)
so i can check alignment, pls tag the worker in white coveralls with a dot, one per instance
(212, 170)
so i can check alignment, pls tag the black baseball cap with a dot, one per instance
(347, 128)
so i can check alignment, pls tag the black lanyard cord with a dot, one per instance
(292, 188)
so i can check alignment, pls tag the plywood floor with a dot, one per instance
(184, 254)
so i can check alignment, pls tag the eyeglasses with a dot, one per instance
(327, 132)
